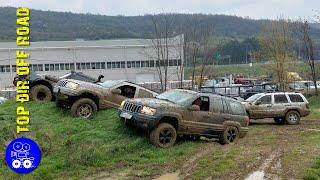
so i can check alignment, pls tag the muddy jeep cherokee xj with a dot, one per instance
(41, 85)
(84, 98)
(282, 107)
(183, 112)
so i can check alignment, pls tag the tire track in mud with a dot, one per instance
(188, 167)
(270, 167)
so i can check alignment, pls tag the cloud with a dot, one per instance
(252, 8)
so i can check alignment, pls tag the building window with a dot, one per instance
(123, 64)
(67, 66)
(103, 65)
(72, 66)
(143, 64)
(2, 69)
(108, 65)
(51, 67)
(179, 62)
(14, 68)
(78, 66)
(93, 65)
(118, 64)
(133, 64)
(88, 66)
(61, 66)
(128, 64)
(83, 65)
(40, 67)
(7, 68)
(46, 68)
(113, 65)
(98, 65)
(138, 64)
(152, 63)
(56, 67)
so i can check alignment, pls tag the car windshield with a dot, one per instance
(176, 96)
(109, 84)
(253, 98)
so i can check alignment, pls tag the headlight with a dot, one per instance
(148, 110)
(72, 85)
(122, 103)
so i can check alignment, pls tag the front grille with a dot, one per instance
(62, 83)
(131, 107)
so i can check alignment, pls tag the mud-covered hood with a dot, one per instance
(87, 85)
(154, 103)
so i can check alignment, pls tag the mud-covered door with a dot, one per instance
(262, 107)
(118, 94)
(281, 102)
(199, 121)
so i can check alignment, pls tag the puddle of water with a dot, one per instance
(257, 175)
(169, 176)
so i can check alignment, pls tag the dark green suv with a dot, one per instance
(183, 112)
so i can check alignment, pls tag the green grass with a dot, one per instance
(313, 173)
(315, 107)
(76, 148)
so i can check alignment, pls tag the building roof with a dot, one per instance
(94, 43)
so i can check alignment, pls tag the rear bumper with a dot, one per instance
(139, 120)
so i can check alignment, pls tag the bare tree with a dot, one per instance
(206, 31)
(303, 30)
(162, 33)
(276, 46)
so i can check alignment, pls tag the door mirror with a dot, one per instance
(258, 102)
(194, 108)
(116, 91)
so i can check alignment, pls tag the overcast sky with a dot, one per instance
(257, 9)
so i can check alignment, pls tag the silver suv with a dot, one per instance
(282, 106)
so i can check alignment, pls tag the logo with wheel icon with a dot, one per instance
(23, 155)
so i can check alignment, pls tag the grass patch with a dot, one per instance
(74, 147)
(315, 107)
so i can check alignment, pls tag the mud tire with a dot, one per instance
(164, 135)
(84, 108)
(40, 93)
(293, 117)
(230, 135)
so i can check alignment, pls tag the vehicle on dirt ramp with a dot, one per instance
(186, 113)
(41, 86)
(85, 99)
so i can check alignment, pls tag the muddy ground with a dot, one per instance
(269, 151)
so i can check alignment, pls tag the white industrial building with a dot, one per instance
(125, 59)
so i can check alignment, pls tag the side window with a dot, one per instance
(295, 98)
(127, 91)
(266, 99)
(226, 106)
(217, 105)
(236, 108)
(203, 102)
(144, 94)
(280, 98)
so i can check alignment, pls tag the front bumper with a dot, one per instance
(139, 120)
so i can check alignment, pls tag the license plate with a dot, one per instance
(126, 115)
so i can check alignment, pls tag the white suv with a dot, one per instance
(282, 106)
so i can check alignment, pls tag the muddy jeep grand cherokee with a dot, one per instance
(183, 112)
(86, 98)
(283, 107)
